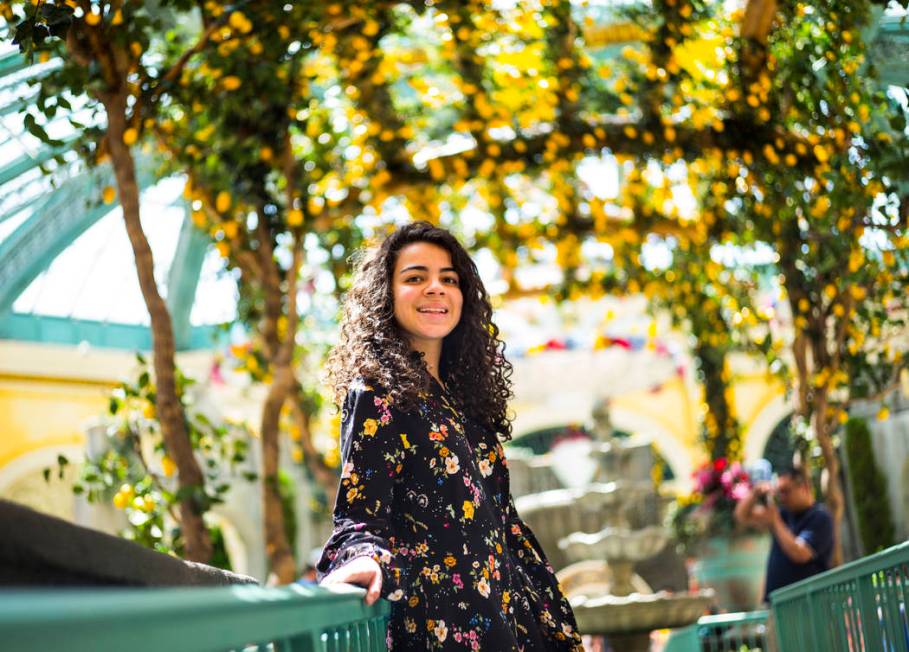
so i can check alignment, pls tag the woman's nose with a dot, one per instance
(435, 286)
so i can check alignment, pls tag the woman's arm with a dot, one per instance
(372, 460)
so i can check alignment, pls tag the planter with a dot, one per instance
(734, 567)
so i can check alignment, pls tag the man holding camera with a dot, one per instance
(802, 528)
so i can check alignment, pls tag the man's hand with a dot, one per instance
(361, 571)
(752, 510)
(766, 514)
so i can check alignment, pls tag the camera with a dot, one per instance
(761, 471)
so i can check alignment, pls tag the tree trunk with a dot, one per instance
(833, 492)
(325, 476)
(280, 351)
(170, 413)
(721, 426)
(276, 545)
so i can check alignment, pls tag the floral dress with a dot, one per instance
(426, 494)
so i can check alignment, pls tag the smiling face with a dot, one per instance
(427, 296)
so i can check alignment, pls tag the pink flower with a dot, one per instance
(726, 480)
(739, 491)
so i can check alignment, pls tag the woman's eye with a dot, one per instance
(452, 281)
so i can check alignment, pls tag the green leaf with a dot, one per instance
(46, 473)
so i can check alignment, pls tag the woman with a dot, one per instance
(424, 515)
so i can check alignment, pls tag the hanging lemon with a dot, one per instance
(223, 201)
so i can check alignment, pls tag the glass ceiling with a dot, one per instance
(67, 273)
(87, 280)
(66, 268)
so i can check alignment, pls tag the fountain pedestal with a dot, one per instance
(596, 530)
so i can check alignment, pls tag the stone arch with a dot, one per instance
(677, 455)
(22, 480)
(236, 541)
(760, 428)
(240, 520)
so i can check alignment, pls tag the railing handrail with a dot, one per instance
(736, 618)
(177, 620)
(859, 568)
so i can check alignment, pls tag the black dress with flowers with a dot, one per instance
(426, 494)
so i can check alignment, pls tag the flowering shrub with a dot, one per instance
(708, 510)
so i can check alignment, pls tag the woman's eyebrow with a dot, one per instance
(423, 268)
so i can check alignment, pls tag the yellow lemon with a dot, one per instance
(93, 19)
(168, 466)
(130, 136)
(237, 20)
(223, 201)
(231, 82)
(294, 217)
(109, 194)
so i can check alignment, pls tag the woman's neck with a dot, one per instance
(432, 354)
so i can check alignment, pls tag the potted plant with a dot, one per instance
(725, 556)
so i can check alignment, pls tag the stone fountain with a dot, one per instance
(594, 508)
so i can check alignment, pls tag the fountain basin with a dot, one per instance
(616, 544)
(552, 515)
(634, 613)
(593, 577)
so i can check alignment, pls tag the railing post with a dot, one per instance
(871, 626)
(308, 642)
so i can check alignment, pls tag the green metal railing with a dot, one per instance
(856, 607)
(248, 618)
(736, 632)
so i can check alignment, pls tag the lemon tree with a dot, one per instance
(107, 65)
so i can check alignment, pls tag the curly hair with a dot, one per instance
(373, 347)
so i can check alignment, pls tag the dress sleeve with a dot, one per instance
(372, 457)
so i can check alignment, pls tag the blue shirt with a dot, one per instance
(814, 526)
